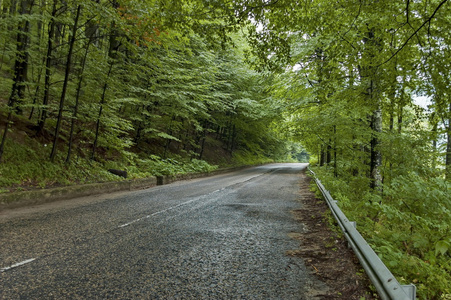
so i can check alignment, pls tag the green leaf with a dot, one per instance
(442, 247)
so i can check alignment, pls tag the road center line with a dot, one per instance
(168, 209)
(184, 203)
(17, 265)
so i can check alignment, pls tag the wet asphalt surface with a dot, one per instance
(222, 237)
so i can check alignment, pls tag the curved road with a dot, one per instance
(221, 237)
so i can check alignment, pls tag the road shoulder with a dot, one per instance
(325, 251)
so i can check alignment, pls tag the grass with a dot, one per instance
(26, 165)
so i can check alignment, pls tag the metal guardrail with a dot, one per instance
(386, 284)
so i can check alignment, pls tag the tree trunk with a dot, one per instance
(77, 98)
(400, 113)
(12, 11)
(374, 100)
(113, 47)
(102, 103)
(203, 139)
(329, 153)
(114, 41)
(376, 130)
(434, 139)
(20, 70)
(335, 152)
(48, 64)
(21, 63)
(322, 158)
(234, 136)
(66, 81)
(448, 147)
(92, 29)
(36, 93)
(376, 156)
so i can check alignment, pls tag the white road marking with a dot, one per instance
(187, 202)
(17, 265)
(167, 209)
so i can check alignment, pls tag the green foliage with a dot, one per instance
(38, 172)
(156, 166)
(241, 158)
(347, 82)
(154, 88)
(408, 226)
(148, 91)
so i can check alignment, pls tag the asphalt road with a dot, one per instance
(221, 237)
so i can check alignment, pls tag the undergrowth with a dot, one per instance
(408, 226)
(26, 166)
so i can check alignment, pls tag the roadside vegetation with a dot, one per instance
(89, 86)
(168, 87)
(351, 75)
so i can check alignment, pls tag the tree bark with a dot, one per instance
(20, 70)
(48, 64)
(12, 11)
(102, 103)
(203, 139)
(21, 63)
(66, 81)
(448, 147)
(335, 152)
(77, 99)
(374, 100)
(323, 155)
(376, 156)
(113, 47)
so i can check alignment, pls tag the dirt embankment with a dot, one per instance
(326, 251)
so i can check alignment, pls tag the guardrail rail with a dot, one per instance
(388, 288)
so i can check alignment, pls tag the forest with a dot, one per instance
(360, 88)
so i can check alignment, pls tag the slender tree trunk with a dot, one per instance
(400, 113)
(392, 117)
(168, 142)
(12, 11)
(335, 152)
(203, 139)
(3, 27)
(77, 99)
(36, 94)
(5, 132)
(102, 103)
(66, 81)
(48, 64)
(323, 155)
(234, 136)
(374, 46)
(112, 55)
(329, 152)
(376, 156)
(448, 147)
(20, 70)
(21, 63)
(230, 134)
(434, 139)
(376, 129)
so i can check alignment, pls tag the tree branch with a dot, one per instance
(416, 31)
(311, 84)
(407, 11)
